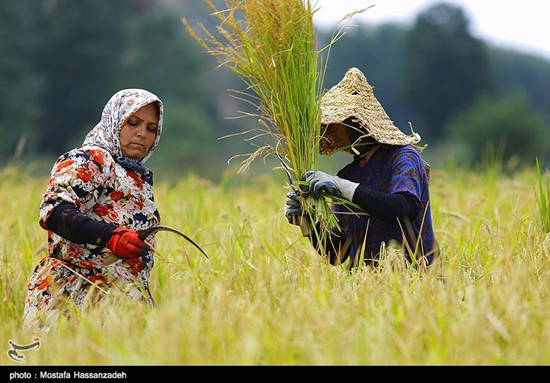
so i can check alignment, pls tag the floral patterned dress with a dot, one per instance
(99, 181)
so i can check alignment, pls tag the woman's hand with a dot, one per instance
(125, 243)
(320, 182)
(295, 214)
(293, 208)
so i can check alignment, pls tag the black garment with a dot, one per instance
(68, 222)
(387, 207)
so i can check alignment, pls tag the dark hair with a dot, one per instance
(157, 107)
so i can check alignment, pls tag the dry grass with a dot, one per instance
(265, 298)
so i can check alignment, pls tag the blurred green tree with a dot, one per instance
(62, 60)
(446, 68)
(22, 81)
(84, 44)
(515, 69)
(508, 124)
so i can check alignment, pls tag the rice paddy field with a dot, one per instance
(265, 298)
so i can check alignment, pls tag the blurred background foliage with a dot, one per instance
(62, 60)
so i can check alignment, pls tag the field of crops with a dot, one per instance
(265, 298)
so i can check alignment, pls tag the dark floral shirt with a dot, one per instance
(90, 179)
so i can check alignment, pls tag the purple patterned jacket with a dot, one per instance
(392, 169)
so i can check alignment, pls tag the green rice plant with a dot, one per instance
(271, 46)
(544, 200)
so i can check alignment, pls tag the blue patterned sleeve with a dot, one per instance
(407, 173)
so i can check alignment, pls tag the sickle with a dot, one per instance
(285, 167)
(145, 233)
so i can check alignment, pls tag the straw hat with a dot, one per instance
(353, 97)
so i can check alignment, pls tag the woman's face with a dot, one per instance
(139, 132)
(334, 137)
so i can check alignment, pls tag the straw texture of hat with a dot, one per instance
(354, 97)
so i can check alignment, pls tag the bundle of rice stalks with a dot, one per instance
(270, 45)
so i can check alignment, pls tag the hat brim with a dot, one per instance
(353, 97)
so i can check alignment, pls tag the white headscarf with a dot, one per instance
(120, 107)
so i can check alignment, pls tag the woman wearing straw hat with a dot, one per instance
(99, 198)
(387, 179)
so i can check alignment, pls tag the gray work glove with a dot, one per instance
(320, 182)
(294, 213)
(293, 208)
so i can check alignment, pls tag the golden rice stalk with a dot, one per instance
(270, 45)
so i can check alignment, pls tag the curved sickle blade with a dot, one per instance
(145, 233)
(284, 164)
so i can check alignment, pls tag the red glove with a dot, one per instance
(126, 244)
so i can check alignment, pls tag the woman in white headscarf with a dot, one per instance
(99, 198)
